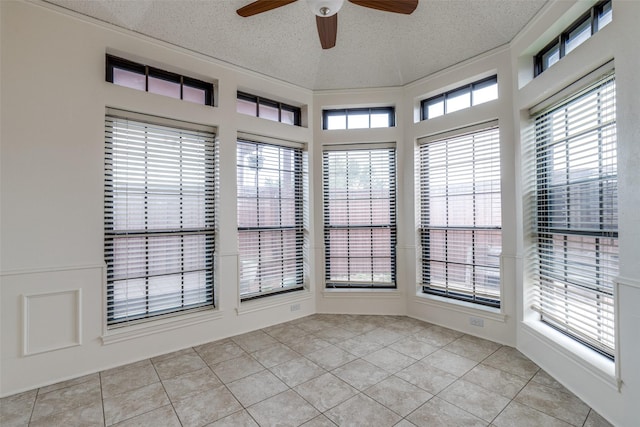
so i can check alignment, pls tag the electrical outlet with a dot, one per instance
(295, 307)
(476, 321)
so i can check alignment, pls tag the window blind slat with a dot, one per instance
(159, 219)
(575, 214)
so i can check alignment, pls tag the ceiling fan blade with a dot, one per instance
(327, 30)
(397, 6)
(260, 6)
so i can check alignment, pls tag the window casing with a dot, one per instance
(460, 98)
(264, 108)
(576, 215)
(159, 218)
(148, 79)
(460, 217)
(358, 118)
(271, 231)
(577, 33)
(360, 218)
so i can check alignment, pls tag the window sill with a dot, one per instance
(361, 293)
(489, 313)
(600, 366)
(272, 301)
(140, 330)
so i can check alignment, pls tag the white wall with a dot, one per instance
(51, 180)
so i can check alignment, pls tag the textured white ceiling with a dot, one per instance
(373, 49)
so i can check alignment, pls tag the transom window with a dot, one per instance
(360, 217)
(358, 118)
(264, 108)
(460, 216)
(475, 93)
(576, 215)
(270, 218)
(148, 79)
(577, 33)
(159, 217)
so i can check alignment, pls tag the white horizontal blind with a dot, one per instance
(360, 217)
(270, 218)
(576, 216)
(460, 216)
(159, 219)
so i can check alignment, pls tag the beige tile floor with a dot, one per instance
(321, 370)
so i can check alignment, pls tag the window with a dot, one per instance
(576, 216)
(360, 218)
(460, 216)
(257, 106)
(576, 34)
(148, 79)
(159, 217)
(476, 93)
(270, 218)
(359, 118)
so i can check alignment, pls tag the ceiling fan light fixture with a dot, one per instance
(325, 8)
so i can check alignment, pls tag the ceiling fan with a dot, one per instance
(326, 12)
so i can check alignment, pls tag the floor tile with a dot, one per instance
(64, 400)
(389, 360)
(359, 325)
(547, 380)
(554, 402)
(206, 407)
(406, 325)
(450, 362)
(382, 336)
(182, 352)
(427, 377)
(234, 369)
(274, 355)
(218, 352)
(132, 403)
(511, 360)
(472, 348)
(413, 347)
(439, 413)
(257, 387)
(164, 416)
(190, 383)
(238, 419)
(308, 344)
(359, 346)
(16, 410)
(501, 382)
(437, 336)
(181, 364)
(285, 332)
(254, 341)
(361, 410)
(297, 371)
(334, 334)
(319, 421)
(398, 395)
(404, 423)
(314, 324)
(81, 416)
(331, 357)
(325, 392)
(119, 382)
(596, 420)
(283, 410)
(474, 399)
(360, 374)
(135, 365)
(518, 415)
